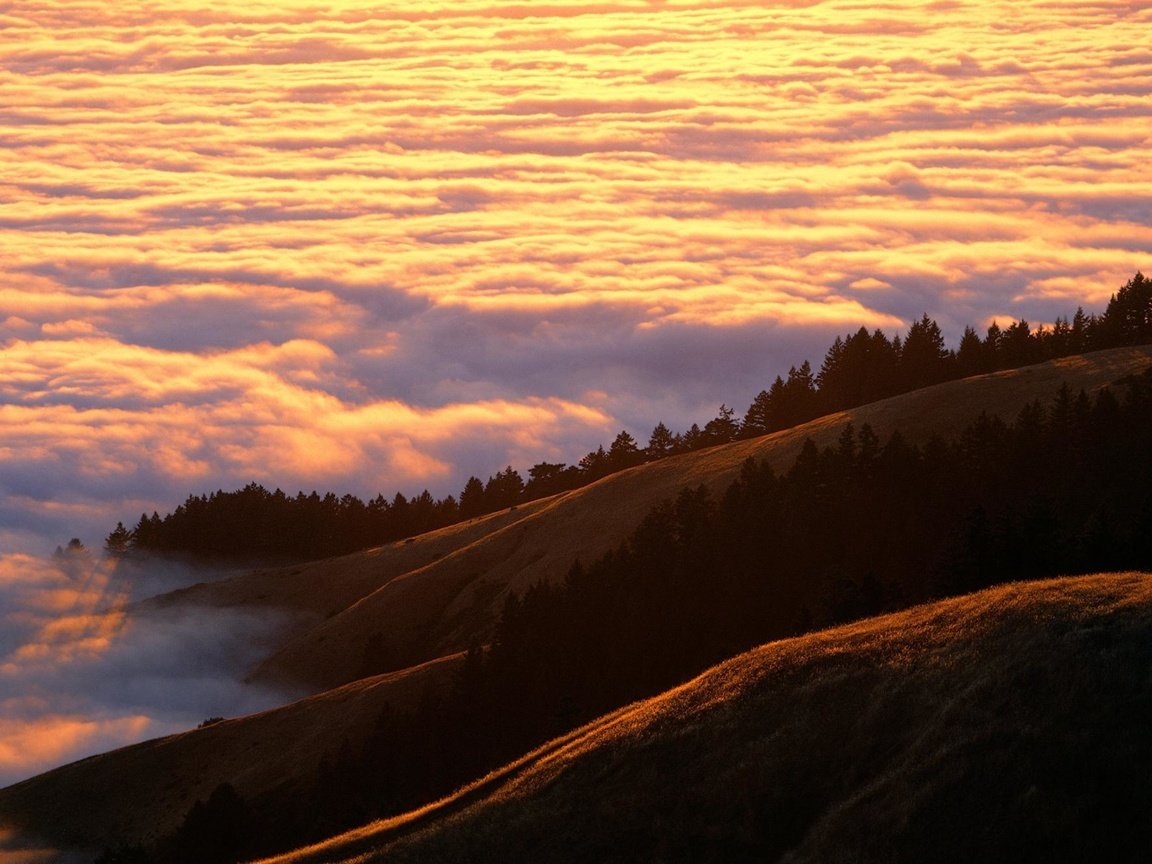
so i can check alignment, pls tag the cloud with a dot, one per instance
(256, 223)
(83, 669)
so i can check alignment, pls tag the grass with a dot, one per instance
(1007, 725)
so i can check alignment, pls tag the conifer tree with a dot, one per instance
(758, 418)
(472, 498)
(624, 452)
(661, 442)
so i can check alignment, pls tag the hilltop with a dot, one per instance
(1006, 725)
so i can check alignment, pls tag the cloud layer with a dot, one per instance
(79, 674)
(375, 248)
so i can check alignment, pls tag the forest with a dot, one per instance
(254, 524)
(853, 530)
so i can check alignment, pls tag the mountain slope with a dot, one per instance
(433, 596)
(454, 601)
(1006, 725)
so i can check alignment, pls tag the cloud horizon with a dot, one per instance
(381, 250)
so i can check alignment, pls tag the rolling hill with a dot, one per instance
(1006, 725)
(452, 599)
(432, 597)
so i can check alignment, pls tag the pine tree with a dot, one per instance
(970, 357)
(661, 442)
(722, 428)
(758, 418)
(1128, 318)
(624, 452)
(924, 359)
(472, 498)
(119, 541)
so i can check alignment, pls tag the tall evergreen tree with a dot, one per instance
(924, 359)
(758, 418)
(661, 442)
(970, 356)
(624, 452)
(472, 498)
(1128, 318)
(723, 428)
(505, 489)
(118, 541)
(1017, 347)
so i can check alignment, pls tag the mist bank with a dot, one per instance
(85, 668)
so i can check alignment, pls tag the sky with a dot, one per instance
(371, 247)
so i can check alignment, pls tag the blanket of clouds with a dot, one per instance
(371, 246)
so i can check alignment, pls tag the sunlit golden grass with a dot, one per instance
(983, 725)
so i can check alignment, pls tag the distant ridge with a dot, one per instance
(258, 525)
(453, 602)
(1006, 725)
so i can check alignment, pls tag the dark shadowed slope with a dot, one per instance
(1008, 725)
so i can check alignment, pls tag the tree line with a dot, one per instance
(852, 530)
(254, 523)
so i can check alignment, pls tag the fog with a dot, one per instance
(84, 668)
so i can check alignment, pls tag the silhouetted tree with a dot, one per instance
(857, 369)
(548, 478)
(215, 831)
(505, 489)
(992, 346)
(758, 418)
(119, 541)
(723, 428)
(1016, 346)
(693, 439)
(472, 498)
(661, 442)
(1082, 335)
(1128, 318)
(923, 359)
(594, 465)
(624, 452)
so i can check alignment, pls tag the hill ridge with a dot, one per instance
(940, 634)
(451, 603)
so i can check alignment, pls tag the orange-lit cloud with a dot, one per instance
(50, 740)
(376, 248)
(79, 674)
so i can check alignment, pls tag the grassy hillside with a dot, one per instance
(1006, 725)
(432, 597)
(453, 602)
